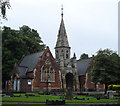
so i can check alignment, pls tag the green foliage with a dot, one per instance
(106, 67)
(84, 56)
(114, 87)
(15, 44)
(3, 5)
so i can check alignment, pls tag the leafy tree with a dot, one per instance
(84, 56)
(15, 44)
(106, 68)
(3, 5)
(32, 39)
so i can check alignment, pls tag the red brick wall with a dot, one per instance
(8, 85)
(24, 87)
(82, 82)
(100, 86)
(37, 80)
(89, 83)
(30, 74)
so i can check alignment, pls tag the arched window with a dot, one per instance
(51, 74)
(67, 56)
(43, 74)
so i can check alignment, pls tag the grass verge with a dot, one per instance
(42, 99)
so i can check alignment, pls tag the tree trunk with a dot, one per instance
(106, 88)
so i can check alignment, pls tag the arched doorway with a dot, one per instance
(69, 80)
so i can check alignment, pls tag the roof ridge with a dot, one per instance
(35, 53)
(85, 59)
(28, 55)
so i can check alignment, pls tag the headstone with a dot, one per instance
(41, 89)
(69, 94)
(110, 94)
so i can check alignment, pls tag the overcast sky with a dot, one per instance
(90, 24)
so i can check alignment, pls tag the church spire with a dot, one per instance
(62, 39)
(62, 45)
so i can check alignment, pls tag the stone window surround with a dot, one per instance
(47, 73)
(29, 82)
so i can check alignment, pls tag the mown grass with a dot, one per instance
(25, 104)
(42, 99)
(23, 98)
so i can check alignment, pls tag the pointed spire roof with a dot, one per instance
(74, 55)
(62, 39)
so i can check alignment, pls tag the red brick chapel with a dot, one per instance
(41, 71)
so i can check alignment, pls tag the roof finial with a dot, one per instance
(74, 56)
(62, 10)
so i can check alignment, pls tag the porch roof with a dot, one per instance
(83, 65)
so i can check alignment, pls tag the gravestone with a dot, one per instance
(110, 95)
(41, 90)
(69, 94)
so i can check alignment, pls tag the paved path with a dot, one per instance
(24, 102)
(95, 92)
(103, 104)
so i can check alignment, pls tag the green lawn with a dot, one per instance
(42, 99)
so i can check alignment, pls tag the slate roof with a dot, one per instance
(82, 65)
(22, 71)
(28, 63)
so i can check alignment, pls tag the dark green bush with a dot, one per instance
(114, 87)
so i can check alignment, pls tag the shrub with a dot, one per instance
(114, 87)
(110, 87)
